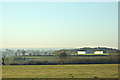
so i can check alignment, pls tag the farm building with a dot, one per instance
(98, 52)
(27, 54)
(81, 52)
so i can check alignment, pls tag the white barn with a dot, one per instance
(98, 52)
(81, 52)
(26, 54)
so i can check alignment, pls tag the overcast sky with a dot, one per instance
(59, 24)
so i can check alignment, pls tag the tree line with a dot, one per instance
(65, 59)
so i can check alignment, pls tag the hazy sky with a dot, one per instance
(59, 24)
(59, 0)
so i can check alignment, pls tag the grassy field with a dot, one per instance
(43, 58)
(71, 59)
(55, 58)
(60, 71)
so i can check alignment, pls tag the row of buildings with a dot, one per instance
(87, 52)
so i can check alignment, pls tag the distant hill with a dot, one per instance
(88, 49)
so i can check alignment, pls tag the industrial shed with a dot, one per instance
(98, 52)
(81, 52)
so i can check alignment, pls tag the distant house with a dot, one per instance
(98, 52)
(81, 52)
(26, 54)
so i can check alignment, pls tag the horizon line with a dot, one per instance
(63, 47)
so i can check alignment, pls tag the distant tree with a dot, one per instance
(45, 53)
(15, 54)
(23, 52)
(49, 53)
(63, 55)
(18, 52)
(3, 59)
(30, 54)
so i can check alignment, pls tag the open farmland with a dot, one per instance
(55, 59)
(60, 71)
(42, 58)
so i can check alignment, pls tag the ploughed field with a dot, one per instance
(60, 71)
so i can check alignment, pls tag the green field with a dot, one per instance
(47, 58)
(55, 57)
(43, 58)
(60, 71)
